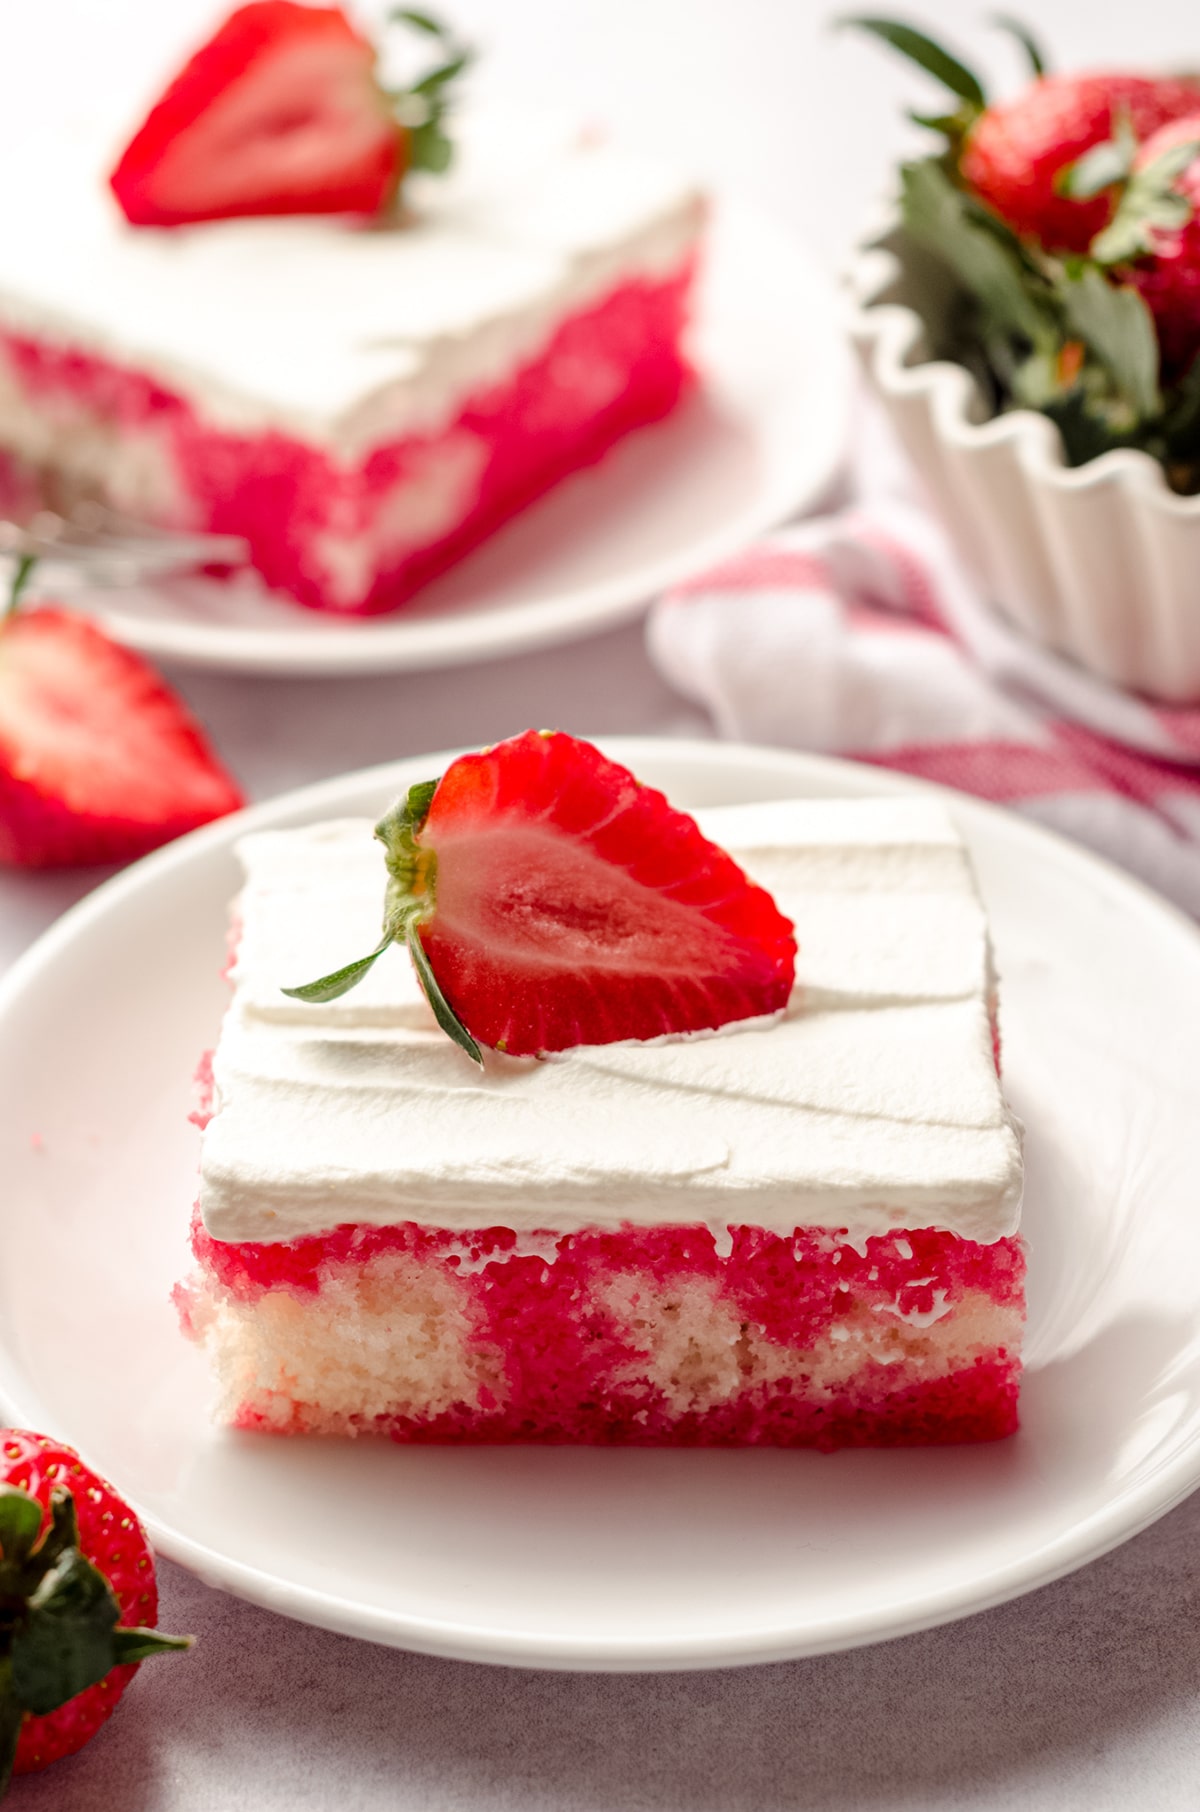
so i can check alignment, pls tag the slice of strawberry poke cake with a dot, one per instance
(281, 321)
(667, 1180)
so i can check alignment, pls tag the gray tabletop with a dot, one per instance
(1081, 1696)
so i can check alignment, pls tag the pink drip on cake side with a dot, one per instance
(575, 1334)
(607, 370)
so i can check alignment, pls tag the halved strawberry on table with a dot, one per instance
(548, 899)
(99, 760)
(78, 1602)
(282, 112)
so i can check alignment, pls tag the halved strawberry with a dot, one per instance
(99, 761)
(279, 113)
(549, 899)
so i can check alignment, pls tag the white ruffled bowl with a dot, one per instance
(1101, 561)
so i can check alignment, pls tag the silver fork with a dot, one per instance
(110, 549)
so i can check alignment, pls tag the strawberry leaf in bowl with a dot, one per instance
(1116, 324)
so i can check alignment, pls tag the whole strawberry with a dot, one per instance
(99, 760)
(1015, 154)
(77, 1602)
(549, 899)
(1066, 223)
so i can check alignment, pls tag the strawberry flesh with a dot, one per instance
(279, 113)
(99, 761)
(573, 905)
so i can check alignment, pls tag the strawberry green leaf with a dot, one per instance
(1033, 381)
(1114, 322)
(443, 1012)
(407, 815)
(986, 259)
(445, 72)
(1092, 423)
(923, 51)
(411, 870)
(133, 1645)
(22, 573)
(20, 1521)
(408, 901)
(63, 1532)
(1151, 203)
(412, 879)
(410, 874)
(63, 1643)
(1100, 168)
(430, 149)
(422, 108)
(1029, 44)
(331, 987)
(953, 125)
(404, 15)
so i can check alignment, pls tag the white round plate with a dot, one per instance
(761, 439)
(584, 1558)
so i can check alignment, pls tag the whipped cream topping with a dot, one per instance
(343, 332)
(872, 1103)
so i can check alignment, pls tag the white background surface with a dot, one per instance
(1084, 1696)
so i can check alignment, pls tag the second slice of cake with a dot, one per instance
(362, 403)
(800, 1232)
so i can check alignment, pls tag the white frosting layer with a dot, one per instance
(345, 334)
(872, 1103)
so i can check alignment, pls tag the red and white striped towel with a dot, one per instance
(860, 634)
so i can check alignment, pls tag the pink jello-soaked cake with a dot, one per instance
(799, 1232)
(362, 402)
